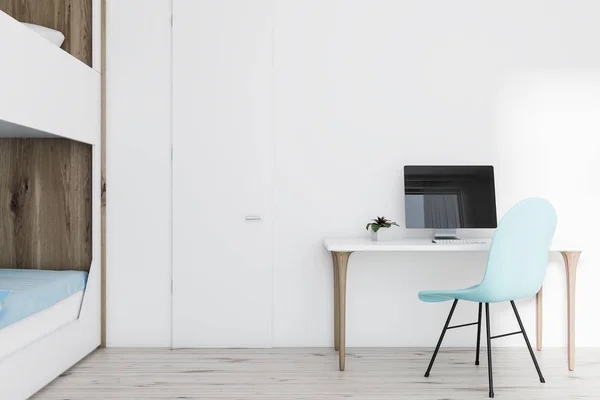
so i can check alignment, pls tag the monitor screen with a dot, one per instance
(449, 197)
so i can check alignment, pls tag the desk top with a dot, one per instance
(351, 245)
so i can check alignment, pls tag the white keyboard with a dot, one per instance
(459, 241)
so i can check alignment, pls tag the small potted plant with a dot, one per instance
(377, 224)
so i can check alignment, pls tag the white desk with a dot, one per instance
(341, 249)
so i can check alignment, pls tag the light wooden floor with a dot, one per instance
(285, 374)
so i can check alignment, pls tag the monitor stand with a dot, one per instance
(445, 234)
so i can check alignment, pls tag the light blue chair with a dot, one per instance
(515, 269)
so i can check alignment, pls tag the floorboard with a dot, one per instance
(286, 374)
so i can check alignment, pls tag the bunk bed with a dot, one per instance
(50, 166)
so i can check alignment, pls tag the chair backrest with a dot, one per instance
(518, 255)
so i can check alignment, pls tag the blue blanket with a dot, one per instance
(32, 291)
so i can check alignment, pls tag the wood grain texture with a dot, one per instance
(539, 297)
(45, 204)
(571, 258)
(341, 264)
(336, 305)
(312, 373)
(71, 17)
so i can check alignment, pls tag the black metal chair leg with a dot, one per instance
(537, 367)
(489, 348)
(437, 348)
(478, 335)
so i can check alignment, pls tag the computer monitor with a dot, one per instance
(446, 198)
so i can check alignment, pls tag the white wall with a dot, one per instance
(138, 173)
(363, 88)
(366, 87)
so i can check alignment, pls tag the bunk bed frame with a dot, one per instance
(50, 135)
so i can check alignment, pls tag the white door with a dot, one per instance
(222, 173)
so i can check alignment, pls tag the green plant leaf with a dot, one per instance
(386, 225)
(393, 223)
(368, 225)
(375, 227)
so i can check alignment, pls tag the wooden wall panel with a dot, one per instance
(72, 17)
(45, 204)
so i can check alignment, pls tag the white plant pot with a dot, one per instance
(382, 235)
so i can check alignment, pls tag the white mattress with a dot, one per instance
(26, 331)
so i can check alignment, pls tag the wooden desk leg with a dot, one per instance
(538, 319)
(336, 304)
(571, 258)
(342, 267)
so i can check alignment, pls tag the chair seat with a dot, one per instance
(472, 293)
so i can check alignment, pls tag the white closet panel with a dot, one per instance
(222, 173)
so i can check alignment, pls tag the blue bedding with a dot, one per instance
(32, 291)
